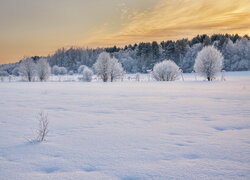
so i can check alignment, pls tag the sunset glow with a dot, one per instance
(31, 27)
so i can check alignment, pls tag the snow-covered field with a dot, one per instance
(127, 130)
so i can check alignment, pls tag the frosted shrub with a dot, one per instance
(81, 68)
(43, 69)
(62, 70)
(55, 70)
(208, 62)
(87, 74)
(27, 69)
(166, 70)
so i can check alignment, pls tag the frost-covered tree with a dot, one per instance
(166, 70)
(87, 74)
(116, 70)
(102, 66)
(28, 69)
(43, 69)
(108, 68)
(208, 62)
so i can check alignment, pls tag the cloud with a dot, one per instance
(173, 19)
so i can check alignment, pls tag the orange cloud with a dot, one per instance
(173, 19)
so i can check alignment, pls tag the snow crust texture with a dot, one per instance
(127, 130)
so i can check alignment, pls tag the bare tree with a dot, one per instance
(208, 62)
(28, 69)
(43, 69)
(43, 127)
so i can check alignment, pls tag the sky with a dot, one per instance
(39, 27)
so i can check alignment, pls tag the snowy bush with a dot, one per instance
(166, 70)
(87, 74)
(208, 62)
(43, 69)
(55, 70)
(107, 67)
(81, 68)
(27, 69)
(62, 70)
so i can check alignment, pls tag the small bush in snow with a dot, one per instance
(166, 71)
(27, 69)
(43, 128)
(63, 70)
(81, 68)
(87, 74)
(56, 70)
(208, 62)
(43, 69)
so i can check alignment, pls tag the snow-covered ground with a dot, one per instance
(127, 130)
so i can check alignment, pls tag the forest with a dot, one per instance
(143, 56)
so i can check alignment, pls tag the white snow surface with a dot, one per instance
(127, 130)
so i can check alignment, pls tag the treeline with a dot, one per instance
(143, 56)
